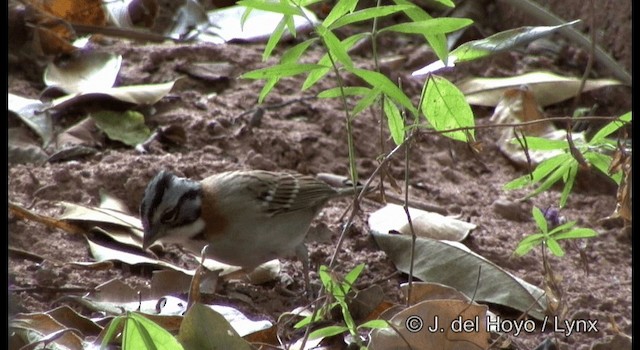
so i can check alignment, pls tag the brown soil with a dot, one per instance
(308, 136)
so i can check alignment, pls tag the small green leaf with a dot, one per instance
(111, 332)
(281, 70)
(445, 107)
(367, 101)
(554, 247)
(334, 46)
(383, 83)
(394, 120)
(348, 91)
(352, 276)
(341, 8)
(576, 233)
(541, 221)
(270, 6)
(430, 26)
(611, 128)
(602, 162)
(569, 179)
(375, 324)
(534, 238)
(524, 248)
(543, 144)
(274, 39)
(316, 75)
(517, 183)
(328, 331)
(437, 41)
(368, 13)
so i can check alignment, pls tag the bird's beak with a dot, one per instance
(151, 234)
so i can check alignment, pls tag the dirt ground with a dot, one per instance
(308, 136)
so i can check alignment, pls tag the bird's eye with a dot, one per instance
(169, 215)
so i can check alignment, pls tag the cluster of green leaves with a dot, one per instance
(339, 291)
(549, 238)
(443, 105)
(565, 165)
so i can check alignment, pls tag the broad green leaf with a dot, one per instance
(271, 6)
(328, 331)
(437, 41)
(445, 108)
(341, 8)
(502, 41)
(142, 333)
(541, 221)
(394, 120)
(290, 56)
(430, 26)
(577, 233)
(368, 13)
(127, 127)
(611, 128)
(554, 247)
(335, 47)
(316, 75)
(282, 70)
(383, 83)
(348, 91)
(204, 328)
(274, 39)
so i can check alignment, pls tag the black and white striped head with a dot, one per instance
(170, 209)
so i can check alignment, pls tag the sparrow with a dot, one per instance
(245, 217)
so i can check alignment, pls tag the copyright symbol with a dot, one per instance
(414, 324)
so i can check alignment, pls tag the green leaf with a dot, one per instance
(375, 324)
(274, 39)
(394, 120)
(340, 9)
(366, 102)
(543, 144)
(437, 41)
(430, 26)
(611, 128)
(142, 333)
(517, 183)
(546, 167)
(524, 248)
(554, 247)
(445, 107)
(553, 177)
(271, 6)
(348, 91)
(602, 162)
(540, 220)
(334, 46)
(352, 276)
(127, 127)
(569, 179)
(328, 331)
(502, 41)
(387, 87)
(368, 13)
(577, 233)
(111, 332)
(314, 76)
(561, 228)
(282, 70)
